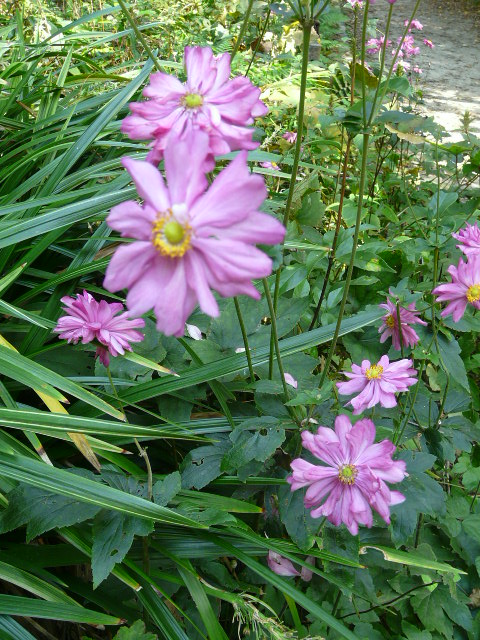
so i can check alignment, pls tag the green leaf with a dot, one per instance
(248, 446)
(42, 510)
(113, 534)
(412, 558)
(38, 474)
(166, 489)
(28, 607)
(422, 495)
(135, 632)
(203, 465)
(298, 522)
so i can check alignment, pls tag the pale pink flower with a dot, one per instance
(390, 326)
(374, 45)
(464, 288)
(88, 320)
(353, 479)
(289, 379)
(417, 70)
(377, 383)
(428, 43)
(469, 238)
(415, 24)
(224, 108)
(290, 136)
(270, 165)
(355, 3)
(190, 239)
(283, 567)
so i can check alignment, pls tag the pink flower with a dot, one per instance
(415, 24)
(374, 45)
(353, 480)
(417, 70)
(270, 165)
(355, 3)
(290, 136)
(464, 288)
(208, 100)
(283, 567)
(289, 379)
(390, 326)
(377, 383)
(190, 240)
(88, 320)
(428, 43)
(469, 237)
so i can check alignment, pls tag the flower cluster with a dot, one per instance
(189, 238)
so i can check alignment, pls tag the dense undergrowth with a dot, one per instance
(150, 494)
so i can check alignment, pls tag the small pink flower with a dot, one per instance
(88, 320)
(464, 288)
(377, 383)
(289, 379)
(208, 100)
(283, 567)
(355, 3)
(190, 239)
(374, 45)
(352, 480)
(469, 237)
(390, 326)
(270, 165)
(428, 43)
(417, 70)
(416, 24)
(290, 136)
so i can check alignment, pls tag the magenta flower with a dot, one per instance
(377, 383)
(415, 24)
(390, 325)
(469, 237)
(190, 240)
(374, 45)
(428, 43)
(88, 320)
(352, 480)
(270, 165)
(208, 100)
(283, 567)
(355, 3)
(290, 136)
(464, 288)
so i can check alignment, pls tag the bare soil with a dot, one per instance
(450, 81)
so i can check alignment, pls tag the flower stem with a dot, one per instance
(243, 29)
(139, 34)
(363, 173)
(245, 338)
(275, 337)
(307, 28)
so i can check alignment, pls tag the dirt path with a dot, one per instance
(451, 71)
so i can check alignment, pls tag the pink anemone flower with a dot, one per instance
(283, 567)
(353, 478)
(469, 238)
(189, 240)
(87, 320)
(391, 327)
(377, 383)
(224, 108)
(290, 136)
(464, 288)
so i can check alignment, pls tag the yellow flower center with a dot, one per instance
(192, 100)
(170, 237)
(374, 372)
(390, 321)
(473, 293)
(347, 473)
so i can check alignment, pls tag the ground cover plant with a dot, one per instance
(239, 294)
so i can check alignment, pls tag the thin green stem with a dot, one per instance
(382, 56)
(363, 174)
(400, 330)
(307, 27)
(245, 338)
(362, 58)
(397, 438)
(392, 66)
(243, 29)
(139, 34)
(275, 337)
(259, 39)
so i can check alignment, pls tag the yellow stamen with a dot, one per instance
(347, 473)
(192, 100)
(473, 293)
(390, 321)
(374, 372)
(170, 237)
